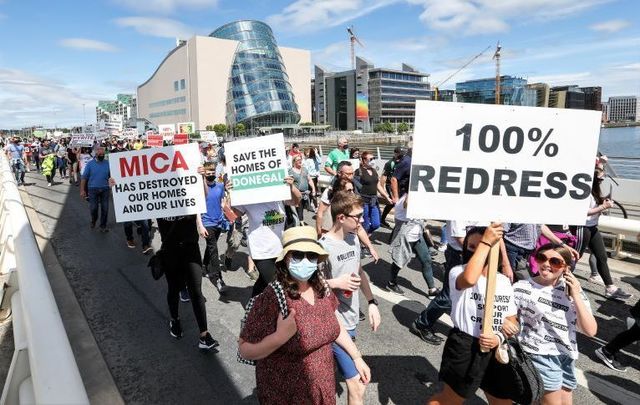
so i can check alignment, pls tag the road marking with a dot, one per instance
(585, 379)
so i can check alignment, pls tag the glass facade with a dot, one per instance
(259, 93)
(513, 91)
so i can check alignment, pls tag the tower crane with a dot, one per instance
(496, 56)
(436, 87)
(353, 39)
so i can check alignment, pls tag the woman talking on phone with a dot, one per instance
(551, 308)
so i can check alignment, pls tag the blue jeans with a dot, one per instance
(422, 252)
(371, 216)
(99, 197)
(441, 304)
(18, 170)
(143, 225)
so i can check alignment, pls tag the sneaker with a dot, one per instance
(220, 286)
(433, 292)
(243, 242)
(131, 244)
(617, 294)
(49, 184)
(184, 295)
(227, 263)
(394, 288)
(361, 315)
(175, 329)
(207, 342)
(364, 253)
(425, 334)
(252, 274)
(596, 279)
(146, 249)
(610, 360)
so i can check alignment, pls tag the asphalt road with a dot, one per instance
(128, 316)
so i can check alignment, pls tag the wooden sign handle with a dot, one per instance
(490, 293)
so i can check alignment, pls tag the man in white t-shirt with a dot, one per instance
(266, 225)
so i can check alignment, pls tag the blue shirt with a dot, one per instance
(97, 174)
(213, 216)
(16, 151)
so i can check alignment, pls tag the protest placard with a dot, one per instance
(180, 139)
(130, 133)
(155, 141)
(257, 168)
(209, 136)
(513, 164)
(101, 135)
(157, 183)
(82, 140)
(167, 131)
(186, 128)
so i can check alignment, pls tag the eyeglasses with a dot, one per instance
(554, 262)
(358, 217)
(298, 256)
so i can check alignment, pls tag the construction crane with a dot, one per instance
(496, 56)
(353, 39)
(436, 87)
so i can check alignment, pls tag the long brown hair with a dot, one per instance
(596, 191)
(290, 285)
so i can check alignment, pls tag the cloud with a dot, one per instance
(157, 27)
(610, 26)
(166, 6)
(87, 45)
(314, 15)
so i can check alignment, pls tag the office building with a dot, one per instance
(592, 98)
(513, 91)
(367, 96)
(124, 106)
(623, 108)
(567, 97)
(542, 94)
(235, 75)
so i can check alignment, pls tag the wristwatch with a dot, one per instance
(373, 301)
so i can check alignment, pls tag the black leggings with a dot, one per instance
(267, 270)
(623, 339)
(592, 238)
(183, 266)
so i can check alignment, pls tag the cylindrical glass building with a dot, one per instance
(259, 93)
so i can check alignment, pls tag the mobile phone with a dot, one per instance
(567, 288)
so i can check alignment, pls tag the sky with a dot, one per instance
(58, 58)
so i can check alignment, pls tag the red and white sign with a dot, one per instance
(180, 139)
(157, 183)
(155, 140)
(167, 131)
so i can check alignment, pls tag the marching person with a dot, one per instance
(17, 157)
(294, 355)
(609, 352)
(336, 156)
(464, 364)
(304, 183)
(368, 186)
(95, 184)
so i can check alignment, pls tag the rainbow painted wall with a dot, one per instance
(362, 106)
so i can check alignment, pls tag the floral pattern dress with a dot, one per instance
(302, 370)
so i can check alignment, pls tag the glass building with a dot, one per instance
(513, 91)
(259, 93)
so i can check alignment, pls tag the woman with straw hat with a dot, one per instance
(293, 353)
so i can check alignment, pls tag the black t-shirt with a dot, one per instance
(402, 172)
(368, 181)
(71, 155)
(178, 230)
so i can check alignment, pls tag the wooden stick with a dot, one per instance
(490, 293)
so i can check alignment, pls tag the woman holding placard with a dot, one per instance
(464, 363)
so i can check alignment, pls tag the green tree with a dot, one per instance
(403, 127)
(220, 129)
(209, 128)
(239, 129)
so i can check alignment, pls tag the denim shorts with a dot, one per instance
(556, 371)
(345, 363)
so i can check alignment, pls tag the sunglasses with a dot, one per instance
(554, 262)
(298, 256)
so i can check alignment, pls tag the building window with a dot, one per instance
(175, 86)
(182, 84)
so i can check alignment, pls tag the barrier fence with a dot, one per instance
(43, 369)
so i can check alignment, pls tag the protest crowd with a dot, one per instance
(302, 319)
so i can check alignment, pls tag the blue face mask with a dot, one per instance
(302, 270)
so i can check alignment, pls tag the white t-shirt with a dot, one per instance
(415, 225)
(548, 319)
(467, 306)
(458, 229)
(84, 159)
(266, 225)
(592, 220)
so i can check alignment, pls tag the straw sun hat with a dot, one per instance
(301, 239)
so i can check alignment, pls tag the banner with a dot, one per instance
(130, 133)
(481, 162)
(114, 122)
(186, 128)
(257, 168)
(101, 135)
(209, 136)
(167, 131)
(81, 140)
(157, 183)
(180, 139)
(155, 141)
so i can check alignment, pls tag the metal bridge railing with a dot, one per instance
(43, 369)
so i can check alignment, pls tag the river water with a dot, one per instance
(620, 142)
